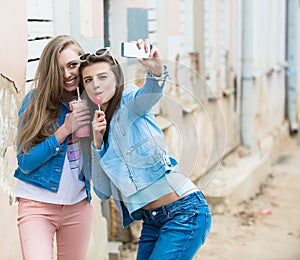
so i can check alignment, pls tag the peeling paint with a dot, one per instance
(8, 118)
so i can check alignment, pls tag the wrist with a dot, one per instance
(97, 144)
(159, 78)
(61, 134)
(157, 73)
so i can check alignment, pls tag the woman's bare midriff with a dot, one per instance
(164, 200)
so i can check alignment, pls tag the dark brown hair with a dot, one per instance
(115, 101)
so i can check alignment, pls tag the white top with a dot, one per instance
(71, 187)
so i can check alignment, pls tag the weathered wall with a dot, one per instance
(13, 53)
(13, 48)
(8, 130)
(8, 209)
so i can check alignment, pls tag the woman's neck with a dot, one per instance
(104, 106)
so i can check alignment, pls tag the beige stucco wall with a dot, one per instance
(13, 53)
(13, 46)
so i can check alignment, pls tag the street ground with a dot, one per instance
(265, 227)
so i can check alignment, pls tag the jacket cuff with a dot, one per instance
(160, 79)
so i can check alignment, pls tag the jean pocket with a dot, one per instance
(184, 212)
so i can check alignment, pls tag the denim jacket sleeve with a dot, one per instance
(101, 181)
(39, 154)
(141, 100)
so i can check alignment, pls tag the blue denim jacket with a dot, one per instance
(135, 155)
(42, 166)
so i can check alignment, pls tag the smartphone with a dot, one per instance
(130, 50)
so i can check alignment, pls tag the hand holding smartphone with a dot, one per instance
(130, 50)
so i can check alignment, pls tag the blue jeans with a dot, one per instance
(176, 230)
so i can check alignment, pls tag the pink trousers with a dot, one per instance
(38, 222)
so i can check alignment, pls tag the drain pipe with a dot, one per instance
(291, 70)
(247, 114)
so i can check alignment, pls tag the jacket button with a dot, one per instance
(57, 149)
(154, 213)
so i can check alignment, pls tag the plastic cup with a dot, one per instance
(83, 131)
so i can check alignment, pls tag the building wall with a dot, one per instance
(12, 81)
(268, 67)
(13, 54)
(298, 59)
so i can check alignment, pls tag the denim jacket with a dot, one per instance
(42, 166)
(135, 154)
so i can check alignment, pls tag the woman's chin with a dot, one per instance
(70, 88)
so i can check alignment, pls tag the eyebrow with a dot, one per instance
(72, 61)
(97, 75)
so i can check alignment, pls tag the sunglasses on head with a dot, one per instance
(101, 52)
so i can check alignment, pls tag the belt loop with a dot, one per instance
(145, 214)
(199, 195)
(202, 194)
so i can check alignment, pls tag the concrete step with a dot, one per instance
(114, 250)
(237, 179)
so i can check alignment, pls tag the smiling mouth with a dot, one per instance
(70, 83)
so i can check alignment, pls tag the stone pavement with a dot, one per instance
(267, 225)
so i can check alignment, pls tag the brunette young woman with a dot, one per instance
(53, 190)
(131, 161)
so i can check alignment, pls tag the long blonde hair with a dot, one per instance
(40, 116)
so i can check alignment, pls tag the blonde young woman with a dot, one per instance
(53, 190)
